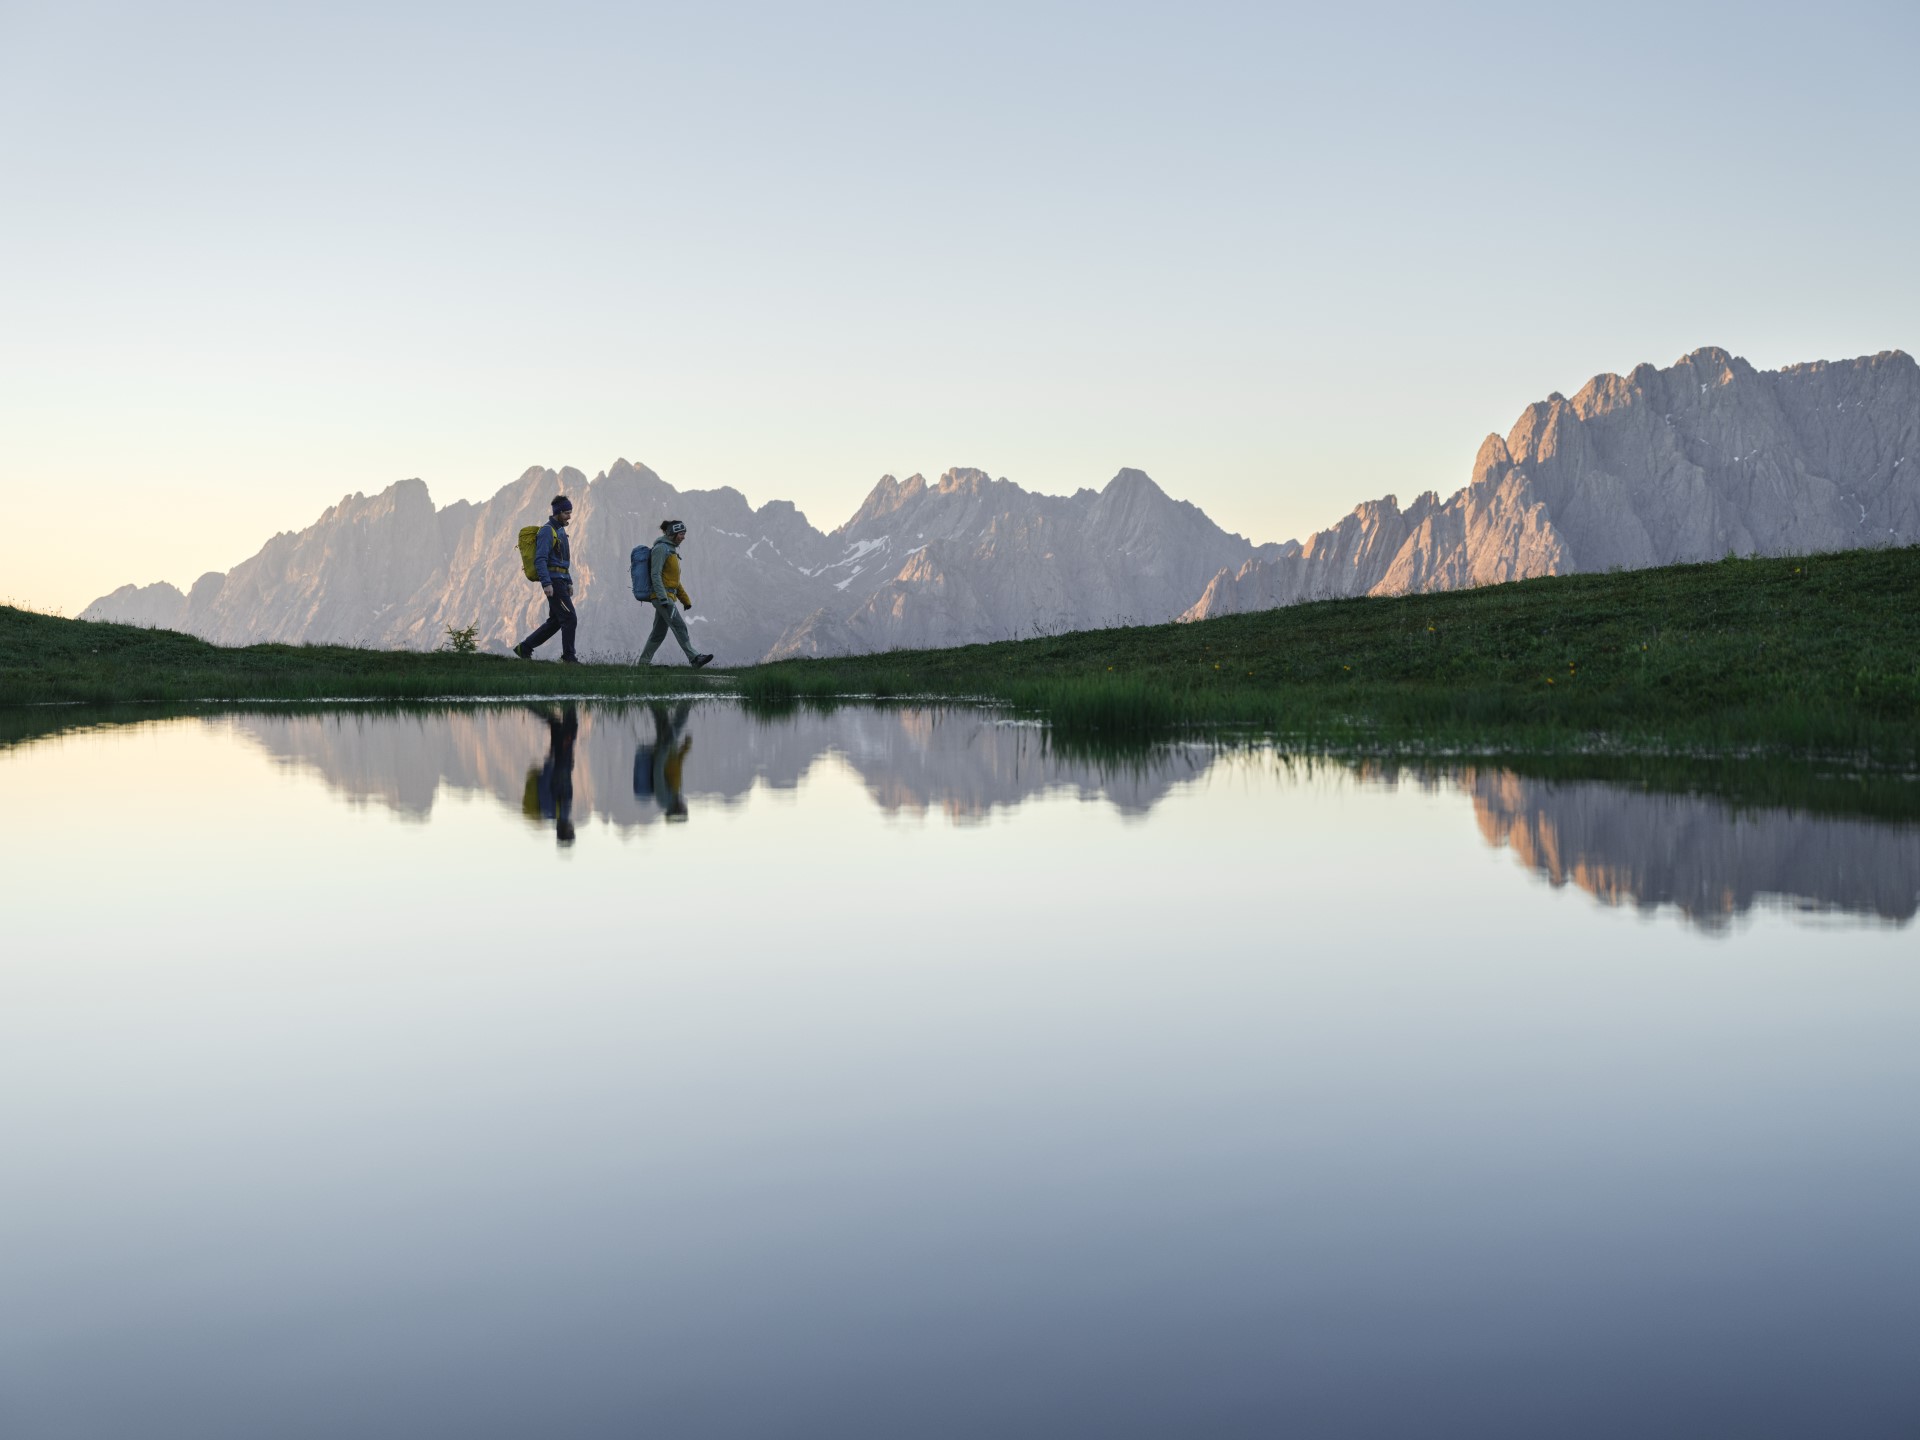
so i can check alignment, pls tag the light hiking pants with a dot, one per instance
(666, 615)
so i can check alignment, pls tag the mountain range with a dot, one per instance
(1704, 458)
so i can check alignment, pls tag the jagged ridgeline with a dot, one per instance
(1706, 458)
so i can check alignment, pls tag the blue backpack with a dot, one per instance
(640, 566)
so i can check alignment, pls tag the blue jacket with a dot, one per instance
(550, 556)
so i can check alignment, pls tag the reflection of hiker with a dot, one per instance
(656, 579)
(551, 554)
(555, 785)
(658, 768)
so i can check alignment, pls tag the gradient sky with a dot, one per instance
(253, 258)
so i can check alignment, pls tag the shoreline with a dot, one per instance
(1803, 657)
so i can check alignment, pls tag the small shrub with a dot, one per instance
(1120, 708)
(463, 642)
(767, 687)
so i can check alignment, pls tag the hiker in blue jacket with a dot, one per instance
(550, 556)
(554, 788)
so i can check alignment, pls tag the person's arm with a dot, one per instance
(658, 564)
(686, 600)
(542, 553)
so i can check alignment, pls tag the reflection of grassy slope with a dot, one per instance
(1744, 786)
(22, 724)
(44, 658)
(1816, 654)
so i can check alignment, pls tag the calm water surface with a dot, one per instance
(667, 1072)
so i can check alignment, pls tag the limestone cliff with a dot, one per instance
(972, 558)
(1706, 458)
(968, 558)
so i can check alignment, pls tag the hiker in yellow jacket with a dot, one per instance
(666, 592)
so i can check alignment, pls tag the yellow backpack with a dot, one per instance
(529, 537)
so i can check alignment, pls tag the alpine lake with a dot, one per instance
(575, 1070)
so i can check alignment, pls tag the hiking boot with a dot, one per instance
(523, 652)
(569, 659)
(700, 660)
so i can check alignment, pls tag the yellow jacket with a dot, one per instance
(668, 573)
(676, 764)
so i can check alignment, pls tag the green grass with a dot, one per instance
(1808, 655)
(44, 658)
(1811, 656)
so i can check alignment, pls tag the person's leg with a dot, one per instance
(569, 622)
(549, 628)
(679, 624)
(662, 614)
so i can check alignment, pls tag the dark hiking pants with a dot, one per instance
(560, 621)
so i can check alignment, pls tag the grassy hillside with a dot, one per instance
(1817, 655)
(1814, 654)
(44, 658)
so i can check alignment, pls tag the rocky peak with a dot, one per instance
(1133, 482)
(1538, 433)
(1493, 461)
(1131, 502)
(404, 498)
(1609, 392)
(1712, 367)
(884, 499)
(965, 481)
(1709, 357)
(781, 514)
(625, 470)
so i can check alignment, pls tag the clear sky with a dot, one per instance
(255, 257)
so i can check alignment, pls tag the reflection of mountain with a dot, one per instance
(963, 763)
(636, 765)
(1711, 861)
